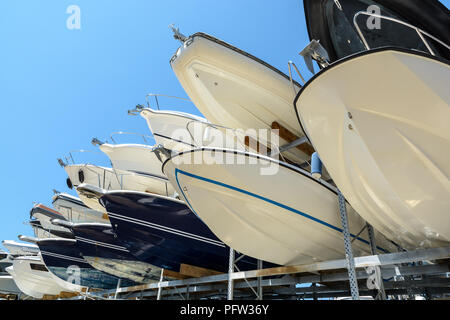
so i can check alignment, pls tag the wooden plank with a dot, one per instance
(49, 297)
(287, 135)
(259, 146)
(7, 296)
(196, 272)
(65, 295)
(174, 275)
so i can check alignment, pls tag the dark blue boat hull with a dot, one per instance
(100, 248)
(164, 232)
(63, 258)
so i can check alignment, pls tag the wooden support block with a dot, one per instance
(254, 143)
(65, 295)
(174, 275)
(49, 297)
(287, 135)
(197, 272)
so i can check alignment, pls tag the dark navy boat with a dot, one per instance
(100, 248)
(164, 232)
(63, 258)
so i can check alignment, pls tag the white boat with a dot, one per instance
(32, 277)
(105, 178)
(286, 218)
(382, 128)
(7, 285)
(20, 248)
(73, 209)
(237, 90)
(386, 151)
(178, 131)
(40, 232)
(170, 128)
(140, 159)
(41, 217)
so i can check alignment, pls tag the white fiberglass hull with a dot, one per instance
(178, 132)
(112, 179)
(73, 209)
(32, 282)
(7, 285)
(382, 131)
(170, 128)
(18, 248)
(139, 159)
(44, 216)
(286, 218)
(236, 90)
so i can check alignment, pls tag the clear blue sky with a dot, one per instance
(59, 87)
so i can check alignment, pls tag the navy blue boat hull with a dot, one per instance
(164, 232)
(62, 257)
(100, 248)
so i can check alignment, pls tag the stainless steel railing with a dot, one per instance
(419, 31)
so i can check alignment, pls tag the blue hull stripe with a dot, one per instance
(177, 171)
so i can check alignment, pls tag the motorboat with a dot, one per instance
(16, 248)
(8, 286)
(140, 159)
(40, 232)
(32, 277)
(170, 128)
(267, 209)
(164, 232)
(377, 113)
(108, 179)
(41, 217)
(64, 260)
(100, 248)
(73, 209)
(237, 90)
(178, 131)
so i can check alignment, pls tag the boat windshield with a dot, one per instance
(355, 26)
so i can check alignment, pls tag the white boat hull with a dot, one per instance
(73, 209)
(170, 128)
(235, 89)
(113, 179)
(179, 132)
(380, 122)
(34, 283)
(138, 158)
(20, 249)
(8, 286)
(286, 218)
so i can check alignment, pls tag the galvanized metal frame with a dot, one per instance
(388, 263)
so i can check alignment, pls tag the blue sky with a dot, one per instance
(59, 88)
